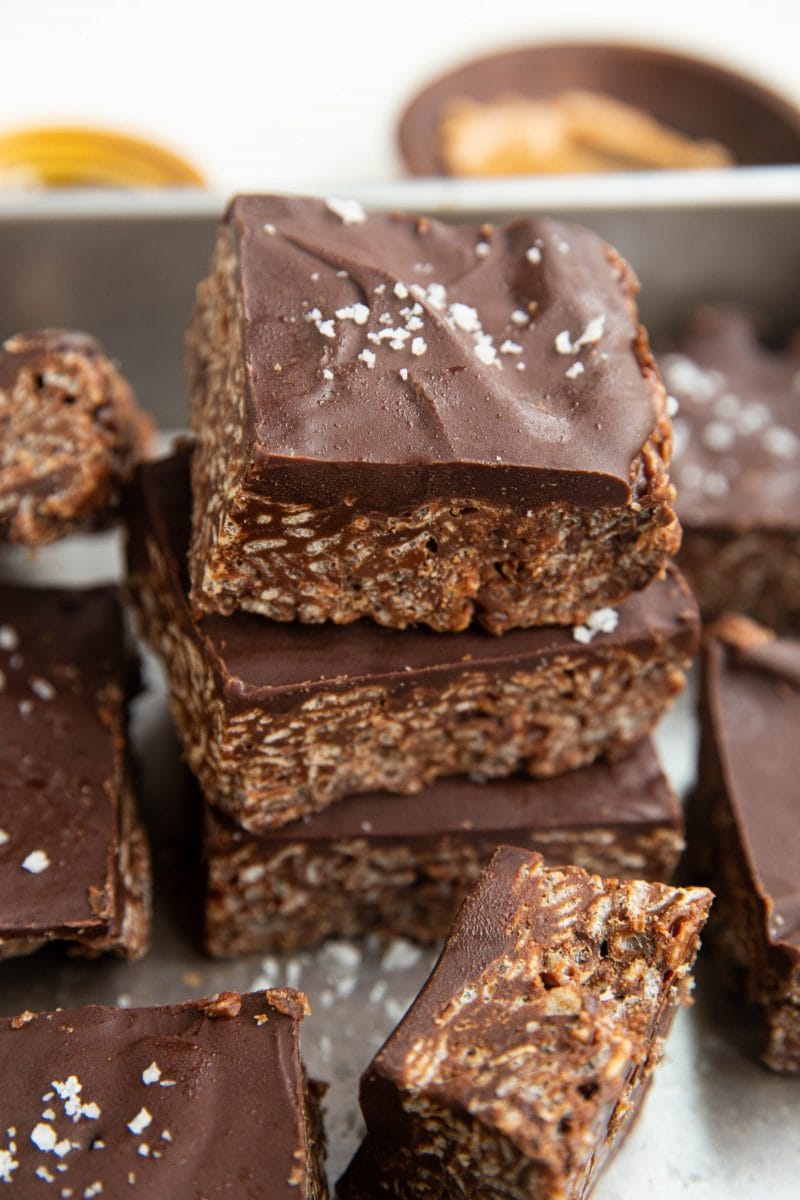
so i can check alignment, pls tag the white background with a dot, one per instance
(265, 94)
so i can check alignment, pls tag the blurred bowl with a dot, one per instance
(692, 96)
(56, 156)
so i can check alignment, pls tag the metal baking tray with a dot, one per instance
(716, 1124)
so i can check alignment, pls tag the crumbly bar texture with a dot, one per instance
(420, 424)
(70, 433)
(737, 467)
(526, 1055)
(74, 861)
(401, 865)
(194, 1100)
(747, 817)
(278, 721)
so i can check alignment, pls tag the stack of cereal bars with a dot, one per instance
(412, 580)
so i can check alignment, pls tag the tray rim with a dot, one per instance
(679, 191)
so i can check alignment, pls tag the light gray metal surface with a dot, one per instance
(716, 1125)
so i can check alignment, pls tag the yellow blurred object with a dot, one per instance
(64, 157)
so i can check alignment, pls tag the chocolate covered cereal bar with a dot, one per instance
(737, 467)
(74, 864)
(525, 1056)
(421, 424)
(748, 816)
(401, 865)
(70, 433)
(201, 1099)
(278, 721)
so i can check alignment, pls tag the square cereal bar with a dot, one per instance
(279, 720)
(201, 1099)
(420, 423)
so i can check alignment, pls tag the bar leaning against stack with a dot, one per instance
(411, 430)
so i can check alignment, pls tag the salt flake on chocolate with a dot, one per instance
(354, 312)
(465, 317)
(9, 639)
(36, 862)
(140, 1122)
(349, 212)
(151, 1074)
(604, 620)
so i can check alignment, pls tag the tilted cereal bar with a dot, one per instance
(525, 1056)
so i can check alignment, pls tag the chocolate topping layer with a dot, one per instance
(65, 674)
(630, 792)
(501, 361)
(737, 436)
(753, 692)
(269, 662)
(198, 1100)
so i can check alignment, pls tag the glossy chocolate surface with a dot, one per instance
(171, 1102)
(63, 682)
(753, 693)
(736, 461)
(630, 794)
(400, 358)
(266, 662)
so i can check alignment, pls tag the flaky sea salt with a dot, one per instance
(533, 255)
(418, 346)
(718, 436)
(349, 212)
(575, 370)
(780, 442)
(36, 862)
(367, 357)
(43, 688)
(151, 1074)
(9, 639)
(603, 620)
(464, 317)
(354, 312)
(140, 1122)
